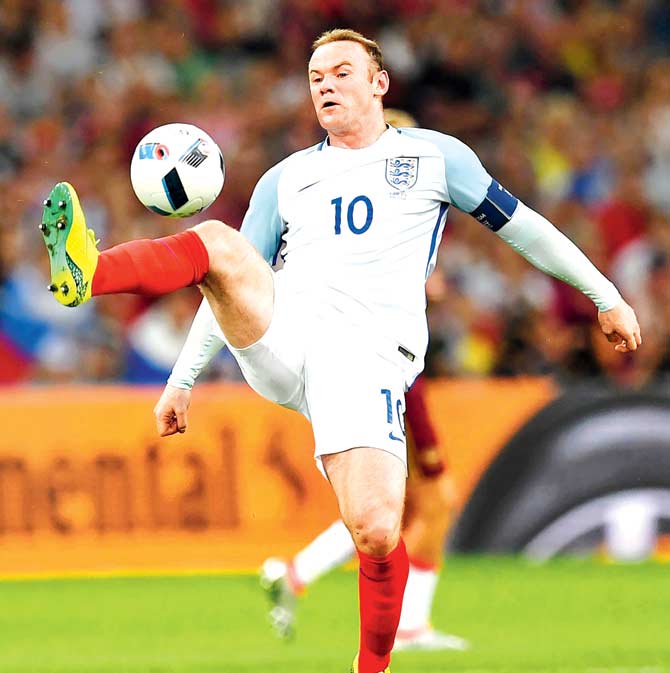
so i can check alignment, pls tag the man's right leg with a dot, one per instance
(235, 279)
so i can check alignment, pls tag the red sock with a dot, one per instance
(151, 266)
(381, 585)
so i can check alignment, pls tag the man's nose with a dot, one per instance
(326, 84)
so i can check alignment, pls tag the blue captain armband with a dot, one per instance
(497, 208)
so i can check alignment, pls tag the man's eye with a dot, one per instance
(316, 80)
(342, 74)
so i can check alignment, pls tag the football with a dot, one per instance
(177, 170)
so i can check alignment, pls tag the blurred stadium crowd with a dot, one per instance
(566, 102)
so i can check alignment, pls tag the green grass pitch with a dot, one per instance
(562, 617)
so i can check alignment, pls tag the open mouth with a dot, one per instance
(328, 104)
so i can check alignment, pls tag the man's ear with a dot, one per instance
(381, 82)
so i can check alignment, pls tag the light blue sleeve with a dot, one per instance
(262, 225)
(467, 180)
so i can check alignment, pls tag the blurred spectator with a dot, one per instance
(567, 103)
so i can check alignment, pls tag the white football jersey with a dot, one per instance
(358, 229)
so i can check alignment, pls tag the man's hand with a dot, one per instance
(170, 411)
(620, 326)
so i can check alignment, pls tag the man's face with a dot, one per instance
(345, 85)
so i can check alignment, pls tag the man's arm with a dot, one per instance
(471, 189)
(544, 246)
(203, 342)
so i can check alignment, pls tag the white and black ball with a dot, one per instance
(177, 170)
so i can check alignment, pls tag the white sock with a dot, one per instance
(418, 600)
(330, 549)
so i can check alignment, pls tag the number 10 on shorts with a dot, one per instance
(390, 416)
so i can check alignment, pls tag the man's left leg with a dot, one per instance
(429, 506)
(370, 488)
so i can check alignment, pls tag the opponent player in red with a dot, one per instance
(429, 508)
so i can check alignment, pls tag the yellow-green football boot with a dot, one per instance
(354, 667)
(72, 248)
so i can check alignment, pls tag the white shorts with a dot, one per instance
(348, 382)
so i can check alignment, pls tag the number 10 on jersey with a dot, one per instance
(354, 214)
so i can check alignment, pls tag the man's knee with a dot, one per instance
(226, 247)
(210, 230)
(215, 236)
(377, 532)
(370, 488)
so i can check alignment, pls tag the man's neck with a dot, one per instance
(364, 136)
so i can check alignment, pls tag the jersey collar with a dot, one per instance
(325, 144)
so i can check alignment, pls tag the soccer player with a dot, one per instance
(339, 333)
(429, 505)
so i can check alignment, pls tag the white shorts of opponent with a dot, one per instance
(348, 382)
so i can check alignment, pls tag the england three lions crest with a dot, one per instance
(402, 172)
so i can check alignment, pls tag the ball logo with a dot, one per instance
(153, 151)
(195, 154)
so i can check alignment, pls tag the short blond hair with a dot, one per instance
(349, 35)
